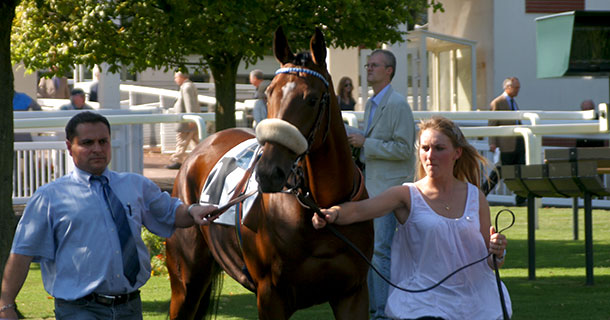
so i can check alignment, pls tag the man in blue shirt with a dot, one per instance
(70, 226)
(23, 102)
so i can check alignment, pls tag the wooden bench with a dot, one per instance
(573, 172)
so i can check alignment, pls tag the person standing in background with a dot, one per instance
(187, 131)
(345, 96)
(388, 153)
(55, 87)
(512, 149)
(95, 85)
(23, 102)
(260, 106)
(77, 101)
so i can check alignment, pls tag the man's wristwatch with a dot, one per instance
(8, 306)
(191, 207)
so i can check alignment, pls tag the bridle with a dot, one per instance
(324, 105)
(302, 193)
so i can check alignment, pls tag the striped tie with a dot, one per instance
(131, 265)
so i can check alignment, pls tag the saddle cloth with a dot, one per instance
(224, 177)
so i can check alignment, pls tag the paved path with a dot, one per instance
(154, 169)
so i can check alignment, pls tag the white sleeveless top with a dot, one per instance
(427, 248)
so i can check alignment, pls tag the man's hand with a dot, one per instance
(199, 213)
(356, 140)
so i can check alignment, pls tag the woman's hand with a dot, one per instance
(330, 216)
(497, 243)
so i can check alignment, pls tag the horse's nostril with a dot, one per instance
(270, 179)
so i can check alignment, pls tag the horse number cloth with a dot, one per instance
(224, 177)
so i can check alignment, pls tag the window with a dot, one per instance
(553, 6)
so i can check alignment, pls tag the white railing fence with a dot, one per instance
(39, 162)
(541, 123)
(36, 164)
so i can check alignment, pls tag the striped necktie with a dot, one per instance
(131, 265)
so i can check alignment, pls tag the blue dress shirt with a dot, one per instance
(68, 228)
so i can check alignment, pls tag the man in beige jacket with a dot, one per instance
(186, 132)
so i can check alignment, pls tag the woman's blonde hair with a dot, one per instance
(468, 166)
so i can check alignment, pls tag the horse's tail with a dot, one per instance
(195, 277)
(211, 297)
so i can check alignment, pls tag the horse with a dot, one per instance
(276, 252)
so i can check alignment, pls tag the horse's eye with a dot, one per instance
(311, 100)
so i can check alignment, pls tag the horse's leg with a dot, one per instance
(354, 307)
(271, 304)
(192, 270)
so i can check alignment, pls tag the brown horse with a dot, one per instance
(281, 257)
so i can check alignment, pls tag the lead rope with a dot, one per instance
(311, 204)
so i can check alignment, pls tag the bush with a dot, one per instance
(156, 248)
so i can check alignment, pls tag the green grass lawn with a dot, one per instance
(559, 291)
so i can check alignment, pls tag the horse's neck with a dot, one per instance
(330, 169)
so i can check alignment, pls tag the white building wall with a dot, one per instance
(25, 82)
(471, 20)
(345, 63)
(506, 46)
(515, 55)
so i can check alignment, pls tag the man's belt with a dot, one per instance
(112, 300)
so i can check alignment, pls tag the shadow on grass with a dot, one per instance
(157, 308)
(240, 306)
(559, 297)
(556, 254)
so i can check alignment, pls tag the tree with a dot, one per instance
(163, 33)
(7, 217)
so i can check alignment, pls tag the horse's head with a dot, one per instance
(298, 102)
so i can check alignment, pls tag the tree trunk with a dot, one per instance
(224, 71)
(7, 217)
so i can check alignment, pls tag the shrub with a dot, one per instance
(156, 248)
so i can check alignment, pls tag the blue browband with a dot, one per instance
(310, 72)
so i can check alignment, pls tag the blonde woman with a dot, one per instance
(444, 223)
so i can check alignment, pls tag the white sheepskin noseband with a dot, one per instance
(282, 132)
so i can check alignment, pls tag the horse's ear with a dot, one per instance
(317, 46)
(281, 50)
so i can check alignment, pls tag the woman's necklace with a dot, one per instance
(447, 207)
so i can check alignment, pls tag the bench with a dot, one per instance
(573, 172)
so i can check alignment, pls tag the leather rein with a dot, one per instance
(303, 195)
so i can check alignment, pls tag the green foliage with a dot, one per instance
(156, 248)
(152, 33)
(144, 34)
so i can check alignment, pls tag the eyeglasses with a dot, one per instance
(348, 85)
(374, 65)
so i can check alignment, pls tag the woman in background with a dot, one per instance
(344, 94)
